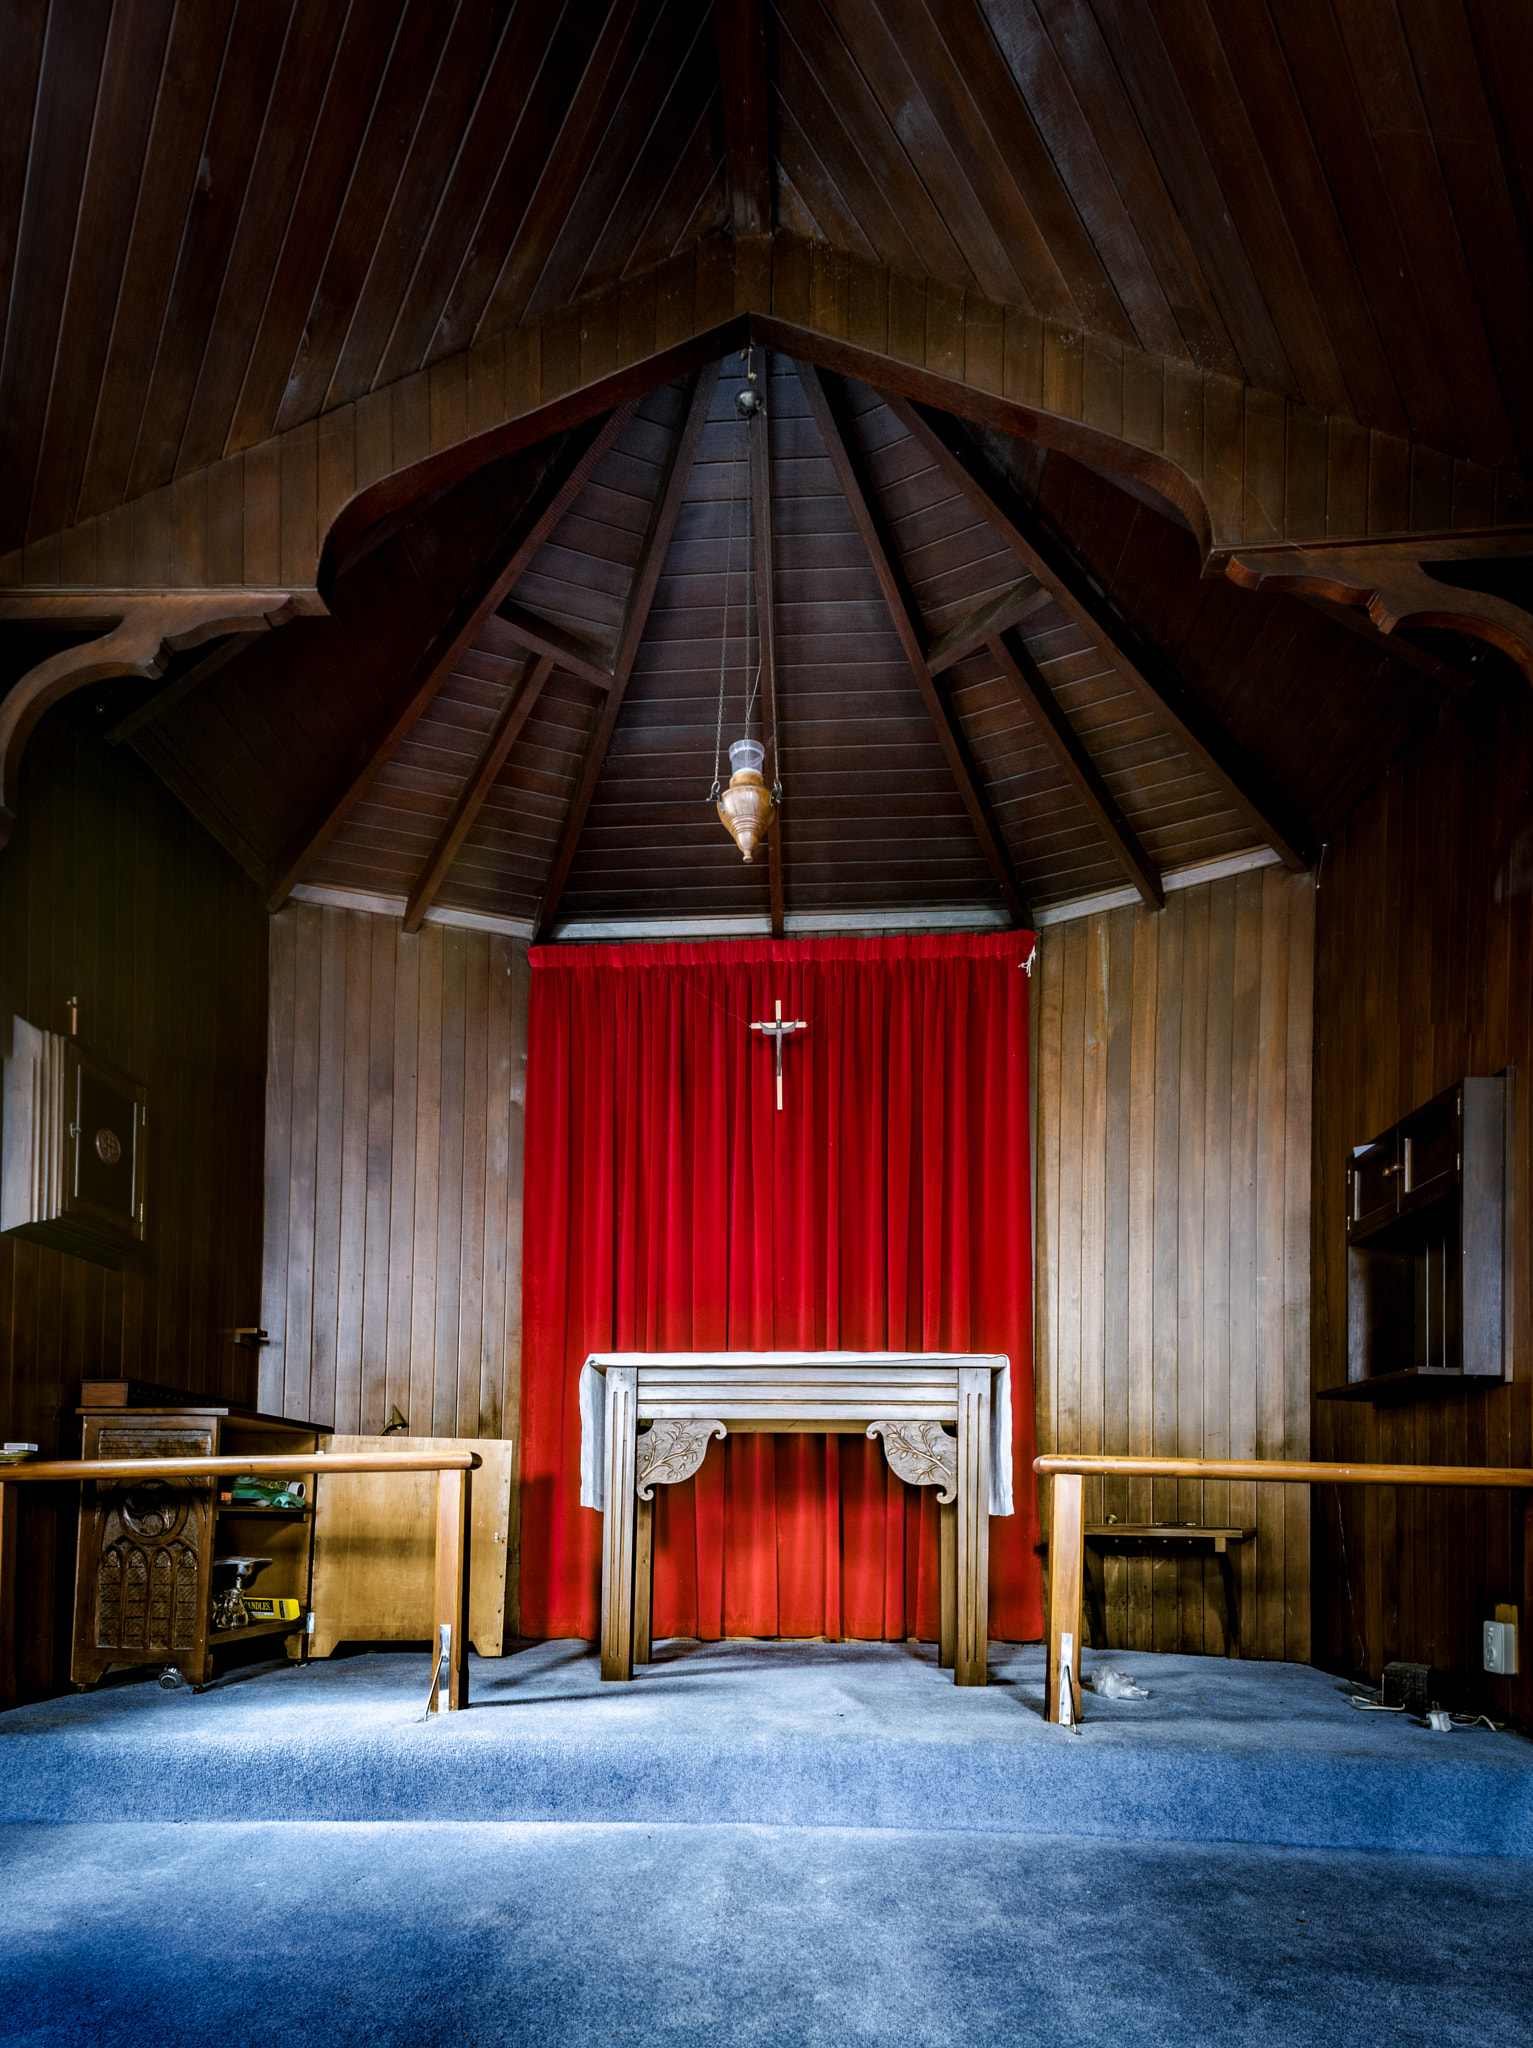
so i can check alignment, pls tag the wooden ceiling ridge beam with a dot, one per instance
(1048, 558)
(503, 737)
(646, 579)
(745, 88)
(478, 600)
(1043, 707)
(856, 487)
(766, 626)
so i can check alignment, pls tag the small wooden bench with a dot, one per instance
(1102, 1536)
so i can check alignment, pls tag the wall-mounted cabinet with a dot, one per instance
(72, 1147)
(1429, 1247)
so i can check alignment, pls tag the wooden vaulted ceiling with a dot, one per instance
(1001, 680)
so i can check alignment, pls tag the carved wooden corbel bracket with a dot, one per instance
(668, 1452)
(1393, 582)
(138, 632)
(922, 1454)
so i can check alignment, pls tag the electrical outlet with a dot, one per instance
(1501, 1647)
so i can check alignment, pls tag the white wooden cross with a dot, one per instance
(777, 1031)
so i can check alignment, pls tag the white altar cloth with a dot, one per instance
(593, 1409)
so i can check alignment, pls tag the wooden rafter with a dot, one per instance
(479, 598)
(1006, 608)
(503, 737)
(1064, 743)
(745, 99)
(526, 633)
(856, 488)
(766, 625)
(662, 524)
(1047, 558)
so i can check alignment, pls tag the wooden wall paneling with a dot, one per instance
(1172, 1192)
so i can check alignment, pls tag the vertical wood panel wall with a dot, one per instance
(109, 892)
(1424, 973)
(395, 1084)
(1173, 1235)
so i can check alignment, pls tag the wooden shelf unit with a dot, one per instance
(1429, 1248)
(144, 1568)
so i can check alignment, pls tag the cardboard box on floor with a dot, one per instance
(375, 1547)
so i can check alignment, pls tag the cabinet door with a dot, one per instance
(1430, 1149)
(1374, 1179)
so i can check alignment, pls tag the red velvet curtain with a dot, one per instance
(670, 1207)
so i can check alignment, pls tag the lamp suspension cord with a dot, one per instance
(718, 734)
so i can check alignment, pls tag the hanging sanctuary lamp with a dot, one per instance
(748, 806)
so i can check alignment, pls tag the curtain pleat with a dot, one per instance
(669, 1207)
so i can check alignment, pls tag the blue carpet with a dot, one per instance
(795, 1735)
(393, 1933)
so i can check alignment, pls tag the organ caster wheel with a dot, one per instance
(171, 1679)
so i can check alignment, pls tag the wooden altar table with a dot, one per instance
(648, 1418)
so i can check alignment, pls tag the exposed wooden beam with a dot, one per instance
(857, 489)
(761, 517)
(503, 737)
(657, 539)
(183, 686)
(1043, 707)
(1008, 607)
(746, 101)
(1355, 620)
(481, 594)
(528, 634)
(1042, 552)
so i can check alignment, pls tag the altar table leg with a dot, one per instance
(1066, 1552)
(644, 1581)
(618, 1523)
(971, 1656)
(947, 1581)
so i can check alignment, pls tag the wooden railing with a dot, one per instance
(1067, 1526)
(450, 1608)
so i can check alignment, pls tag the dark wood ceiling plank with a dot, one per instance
(477, 601)
(611, 106)
(537, 70)
(692, 193)
(22, 34)
(60, 140)
(759, 437)
(1168, 125)
(969, 183)
(243, 110)
(817, 78)
(846, 463)
(798, 160)
(1317, 57)
(1088, 65)
(1405, 148)
(1457, 97)
(1041, 705)
(657, 540)
(745, 102)
(180, 687)
(661, 187)
(502, 739)
(297, 191)
(1058, 570)
(1006, 608)
(199, 42)
(1026, 116)
(131, 73)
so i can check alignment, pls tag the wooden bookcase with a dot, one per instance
(1429, 1248)
(144, 1568)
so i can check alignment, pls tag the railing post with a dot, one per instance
(450, 1606)
(8, 1499)
(1066, 1555)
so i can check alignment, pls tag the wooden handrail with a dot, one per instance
(450, 1607)
(1285, 1471)
(1067, 1526)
